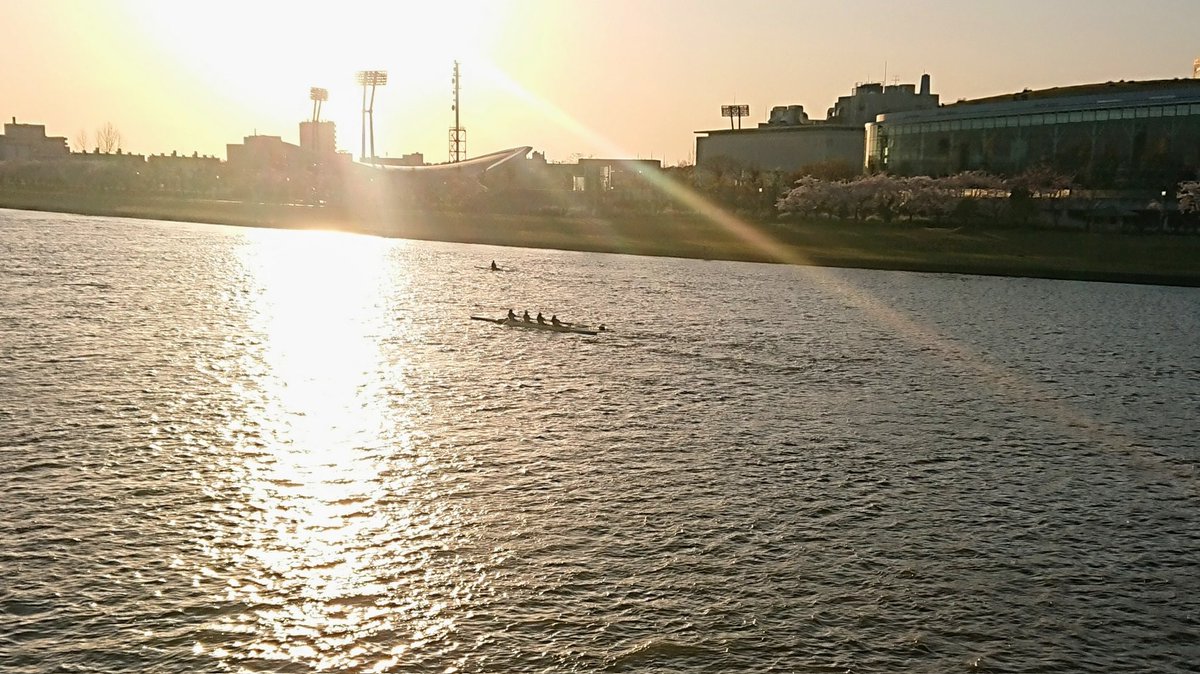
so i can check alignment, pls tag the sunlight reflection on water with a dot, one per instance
(300, 541)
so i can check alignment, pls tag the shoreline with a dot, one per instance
(1154, 259)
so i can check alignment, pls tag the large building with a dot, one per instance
(261, 152)
(789, 141)
(780, 147)
(318, 138)
(29, 141)
(1142, 135)
(318, 145)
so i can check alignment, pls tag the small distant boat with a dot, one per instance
(493, 268)
(534, 325)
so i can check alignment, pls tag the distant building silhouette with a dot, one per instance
(29, 141)
(318, 138)
(183, 164)
(261, 152)
(410, 159)
(318, 145)
(630, 176)
(118, 157)
(789, 140)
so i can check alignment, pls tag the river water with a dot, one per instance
(245, 450)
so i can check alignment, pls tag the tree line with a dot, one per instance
(968, 195)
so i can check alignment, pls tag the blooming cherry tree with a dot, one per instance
(1189, 196)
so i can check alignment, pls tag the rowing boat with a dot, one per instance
(533, 325)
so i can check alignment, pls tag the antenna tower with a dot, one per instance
(458, 135)
(372, 79)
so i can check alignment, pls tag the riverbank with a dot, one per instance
(1153, 259)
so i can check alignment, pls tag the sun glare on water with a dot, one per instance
(317, 455)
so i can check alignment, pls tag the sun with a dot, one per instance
(258, 60)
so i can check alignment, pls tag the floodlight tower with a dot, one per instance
(312, 139)
(372, 79)
(458, 135)
(735, 112)
(318, 96)
(310, 131)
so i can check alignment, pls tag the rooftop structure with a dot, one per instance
(873, 98)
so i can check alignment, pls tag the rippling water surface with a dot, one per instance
(239, 450)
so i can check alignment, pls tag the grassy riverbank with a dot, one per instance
(1161, 259)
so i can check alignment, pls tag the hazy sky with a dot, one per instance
(603, 78)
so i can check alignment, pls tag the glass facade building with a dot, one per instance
(1114, 135)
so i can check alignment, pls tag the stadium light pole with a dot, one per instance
(318, 96)
(735, 111)
(372, 79)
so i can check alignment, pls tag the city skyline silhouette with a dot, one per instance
(570, 79)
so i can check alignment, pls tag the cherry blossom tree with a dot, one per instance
(1189, 196)
(967, 195)
(929, 198)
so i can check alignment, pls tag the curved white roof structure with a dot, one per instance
(475, 165)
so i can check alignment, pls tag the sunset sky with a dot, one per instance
(617, 78)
